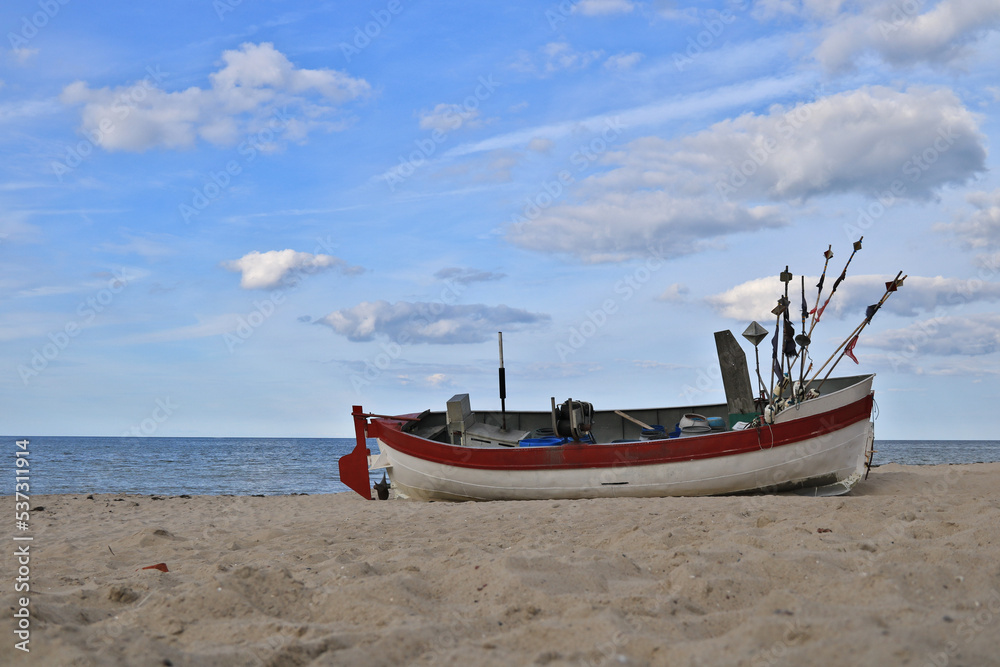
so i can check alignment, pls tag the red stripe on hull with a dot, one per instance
(632, 453)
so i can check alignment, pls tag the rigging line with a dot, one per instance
(760, 445)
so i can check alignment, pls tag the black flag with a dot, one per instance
(775, 366)
(871, 310)
(789, 345)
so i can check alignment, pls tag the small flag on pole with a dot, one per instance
(849, 350)
(819, 286)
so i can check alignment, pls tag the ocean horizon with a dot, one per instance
(283, 466)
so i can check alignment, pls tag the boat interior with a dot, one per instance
(577, 421)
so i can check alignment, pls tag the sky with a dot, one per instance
(236, 218)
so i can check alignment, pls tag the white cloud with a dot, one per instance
(11, 112)
(540, 145)
(677, 194)
(861, 141)
(988, 265)
(139, 245)
(438, 380)
(554, 57)
(275, 268)
(498, 169)
(448, 117)
(617, 226)
(206, 327)
(970, 336)
(423, 322)
(15, 228)
(562, 56)
(116, 279)
(898, 32)
(657, 113)
(972, 369)
(23, 54)
(981, 230)
(603, 7)
(754, 299)
(623, 61)
(822, 9)
(675, 293)
(465, 276)
(258, 90)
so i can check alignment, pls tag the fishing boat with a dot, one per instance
(810, 437)
(821, 446)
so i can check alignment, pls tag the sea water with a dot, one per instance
(272, 466)
(193, 466)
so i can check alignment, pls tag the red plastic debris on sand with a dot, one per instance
(162, 567)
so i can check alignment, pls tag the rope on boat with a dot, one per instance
(758, 422)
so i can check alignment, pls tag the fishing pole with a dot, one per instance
(836, 284)
(804, 340)
(890, 287)
(828, 255)
(807, 337)
(775, 367)
(786, 277)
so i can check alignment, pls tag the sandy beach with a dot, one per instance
(904, 571)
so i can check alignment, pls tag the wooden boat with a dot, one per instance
(819, 446)
(813, 437)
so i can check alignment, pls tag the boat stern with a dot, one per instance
(354, 466)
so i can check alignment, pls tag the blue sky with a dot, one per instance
(241, 218)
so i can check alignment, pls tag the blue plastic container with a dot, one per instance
(717, 423)
(550, 441)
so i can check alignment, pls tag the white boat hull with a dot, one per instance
(811, 463)
(829, 462)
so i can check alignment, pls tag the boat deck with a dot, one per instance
(608, 425)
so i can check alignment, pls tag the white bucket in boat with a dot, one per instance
(694, 424)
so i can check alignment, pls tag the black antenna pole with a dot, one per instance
(503, 386)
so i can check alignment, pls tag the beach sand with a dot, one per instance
(903, 571)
